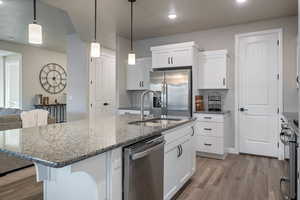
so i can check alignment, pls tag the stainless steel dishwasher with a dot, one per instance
(144, 170)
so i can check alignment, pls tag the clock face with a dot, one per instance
(53, 78)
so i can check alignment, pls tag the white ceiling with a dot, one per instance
(150, 17)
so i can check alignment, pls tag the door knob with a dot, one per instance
(243, 109)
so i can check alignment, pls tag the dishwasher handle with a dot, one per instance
(142, 154)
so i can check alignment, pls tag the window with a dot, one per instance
(10, 69)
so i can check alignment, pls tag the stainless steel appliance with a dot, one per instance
(175, 89)
(144, 170)
(289, 137)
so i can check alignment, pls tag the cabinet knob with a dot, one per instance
(224, 81)
(106, 104)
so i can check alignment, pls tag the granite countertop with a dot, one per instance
(224, 112)
(59, 145)
(291, 116)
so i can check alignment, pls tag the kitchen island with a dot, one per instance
(82, 159)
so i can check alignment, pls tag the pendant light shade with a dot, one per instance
(131, 58)
(35, 31)
(95, 50)
(131, 55)
(95, 46)
(35, 34)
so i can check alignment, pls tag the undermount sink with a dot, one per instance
(155, 121)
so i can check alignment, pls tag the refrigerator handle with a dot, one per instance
(166, 93)
(162, 95)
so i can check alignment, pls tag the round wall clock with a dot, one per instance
(53, 78)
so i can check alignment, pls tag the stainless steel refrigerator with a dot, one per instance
(175, 89)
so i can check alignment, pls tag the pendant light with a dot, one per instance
(35, 34)
(131, 55)
(95, 46)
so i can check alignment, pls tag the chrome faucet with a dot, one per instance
(143, 101)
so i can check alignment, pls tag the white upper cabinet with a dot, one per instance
(173, 55)
(138, 74)
(213, 70)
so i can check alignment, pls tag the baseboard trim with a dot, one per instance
(232, 150)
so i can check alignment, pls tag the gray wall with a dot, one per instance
(33, 59)
(123, 48)
(78, 78)
(223, 38)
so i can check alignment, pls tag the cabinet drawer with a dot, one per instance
(209, 129)
(177, 134)
(209, 118)
(210, 145)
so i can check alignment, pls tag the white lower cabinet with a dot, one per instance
(180, 159)
(170, 172)
(212, 134)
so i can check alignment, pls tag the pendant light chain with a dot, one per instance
(131, 31)
(95, 27)
(34, 12)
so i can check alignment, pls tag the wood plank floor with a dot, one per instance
(238, 177)
(21, 185)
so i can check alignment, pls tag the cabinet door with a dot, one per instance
(145, 73)
(212, 72)
(138, 75)
(170, 172)
(161, 59)
(182, 58)
(184, 162)
(193, 149)
(133, 77)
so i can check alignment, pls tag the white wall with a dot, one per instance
(78, 78)
(223, 38)
(123, 48)
(33, 59)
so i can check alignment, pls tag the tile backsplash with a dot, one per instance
(135, 99)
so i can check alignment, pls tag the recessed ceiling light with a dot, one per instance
(1, 2)
(241, 1)
(172, 16)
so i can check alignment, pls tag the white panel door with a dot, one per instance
(258, 93)
(103, 86)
